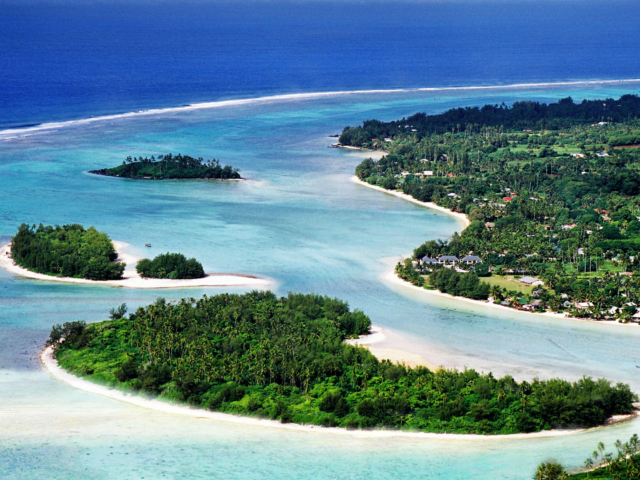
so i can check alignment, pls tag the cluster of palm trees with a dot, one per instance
(252, 339)
(624, 465)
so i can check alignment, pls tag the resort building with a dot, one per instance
(581, 305)
(448, 259)
(471, 260)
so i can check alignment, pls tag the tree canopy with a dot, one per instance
(67, 251)
(170, 265)
(552, 192)
(171, 167)
(285, 358)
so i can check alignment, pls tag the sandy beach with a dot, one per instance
(131, 279)
(460, 216)
(392, 277)
(51, 365)
(374, 342)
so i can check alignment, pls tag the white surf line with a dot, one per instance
(295, 97)
(51, 365)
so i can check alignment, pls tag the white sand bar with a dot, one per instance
(51, 365)
(375, 343)
(131, 279)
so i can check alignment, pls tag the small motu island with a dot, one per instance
(67, 251)
(73, 254)
(286, 358)
(170, 265)
(551, 193)
(168, 166)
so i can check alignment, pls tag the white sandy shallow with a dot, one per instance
(51, 365)
(374, 342)
(131, 279)
(460, 216)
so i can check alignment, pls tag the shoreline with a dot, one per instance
(393, 277)
(102, 173)
(51, 366)
(131, 279)
(460, 216)
(395, 355)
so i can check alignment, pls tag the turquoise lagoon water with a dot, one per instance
(299, 221)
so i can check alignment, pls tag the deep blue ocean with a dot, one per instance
(67, 60)
(299, 220)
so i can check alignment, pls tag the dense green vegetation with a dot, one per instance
(523, 115)
(624, 465)
(67, 251)
(285, 358)
(552, 192)
(170, 166)
(170, 265)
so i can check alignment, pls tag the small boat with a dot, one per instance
(147, 244)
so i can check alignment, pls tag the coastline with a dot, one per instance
(393, 277)
(395, 355)
(103, 173)
(131, 279)
(460, 216)
(51, 366)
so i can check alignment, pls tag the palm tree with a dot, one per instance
(550, 471)
(588, 464)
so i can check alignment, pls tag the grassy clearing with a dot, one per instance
(507, 282)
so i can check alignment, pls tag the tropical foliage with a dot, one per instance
(170, 166)
(170, 265)
(623, 465)
(67, 251)
(552, 191)
(285, 358)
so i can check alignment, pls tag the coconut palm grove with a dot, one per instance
(552, 192)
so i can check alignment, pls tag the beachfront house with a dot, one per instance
(471, 260)
(448, 260)
(531, 281)
(583, 305)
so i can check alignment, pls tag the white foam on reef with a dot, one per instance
(5, 134)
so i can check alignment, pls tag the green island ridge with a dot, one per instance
(285, 358)
(171, 167)
(600, 465)
(67, 251)
(170, 265)
(552, 192)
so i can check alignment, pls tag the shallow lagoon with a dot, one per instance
(300, 221)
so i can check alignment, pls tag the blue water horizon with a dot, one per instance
(66, 60)
(299, 219)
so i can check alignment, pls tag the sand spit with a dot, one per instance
(374, 342)
(51, 365)
(131, 279)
